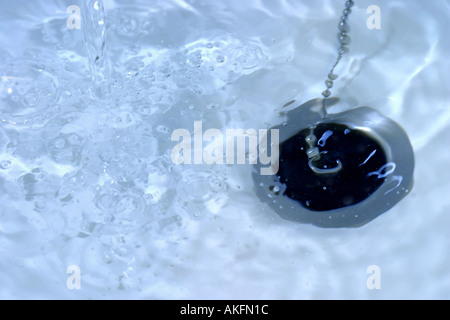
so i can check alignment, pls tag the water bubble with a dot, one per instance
(220, 59)
(162, 129)
(197, 89)
(105, 200)
(66, 149)
(173, 223)
(129, 206)
(5, 164)
(28, 90)
(248, 57)
(59, 143)
(185, 77)
(275, 189)
(123, 120)
(145, 110)
(170, 224)
(197, 189)
(133, 67)
(123, 253)
(196, 58)
(74, 139)
(125, 168)
(153, 194)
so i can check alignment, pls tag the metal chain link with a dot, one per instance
(344, 40)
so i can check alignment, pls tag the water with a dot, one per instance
(86, 177)
(92, 13)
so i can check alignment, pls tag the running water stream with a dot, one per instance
(86, 177)
(94, 30)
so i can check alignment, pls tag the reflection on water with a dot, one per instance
(86, 176)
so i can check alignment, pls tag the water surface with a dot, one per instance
(86, 176)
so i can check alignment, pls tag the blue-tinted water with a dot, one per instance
(86, 176)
